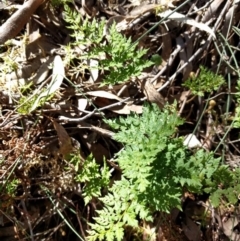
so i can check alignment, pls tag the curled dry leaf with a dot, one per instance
(127, 109)
(191, 229)
(42, 45)
(104, 94)
(65, 142)
(42, 72)
(152, 94)
(57, 76)
(33, 34)
(57, 79)
(228, 228)
(98, 150)
(184, 56)
(121, 23)
(166, 43)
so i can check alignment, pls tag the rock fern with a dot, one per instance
(118, 57)
(156, 170)
(206, 82)
(150, 163)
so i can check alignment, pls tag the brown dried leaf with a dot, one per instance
(33, 34)
(152, 94)
(57, 79)
(228, 228)
(166, 43)
(184, 58)
(127, 109)
(42, 71)
(65, 142)
(7, 232)
(149, 232)
(43, 44)
(191, 230)
(98, 150)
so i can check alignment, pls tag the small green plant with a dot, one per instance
(236, 118)
(92, 175)
(9, 65)
(8, 189)
(118, 56)
(11, 187)
(156, 169)
(206, 82)
(224, 186)
(27, 102)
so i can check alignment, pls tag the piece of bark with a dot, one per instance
(17, 21)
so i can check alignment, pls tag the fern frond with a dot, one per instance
(156, 168)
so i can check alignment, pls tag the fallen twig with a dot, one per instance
(17, 21)
(64, 118)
